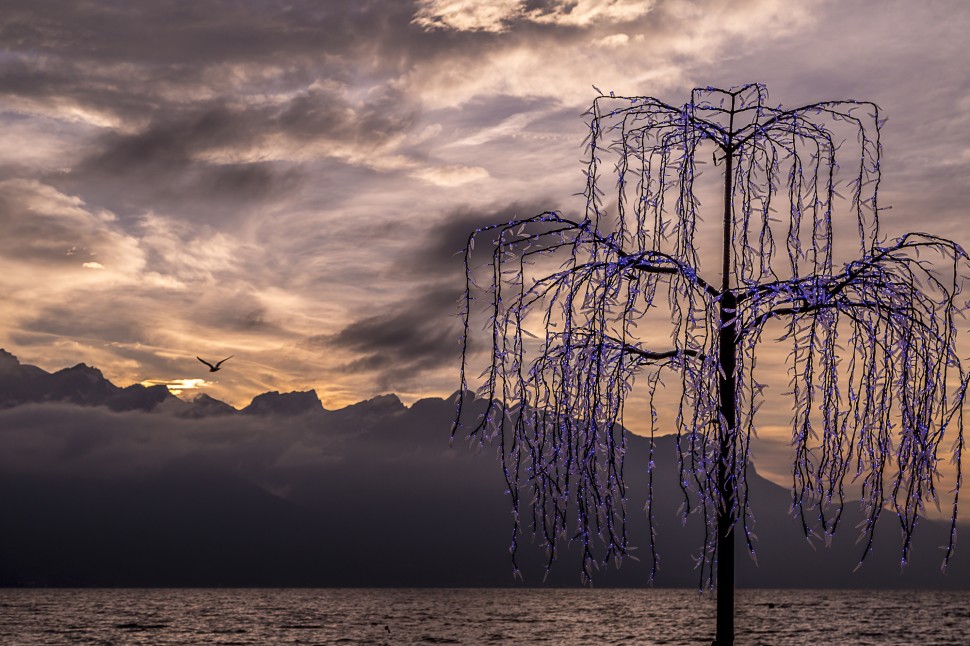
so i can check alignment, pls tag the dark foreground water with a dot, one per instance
(470, 616)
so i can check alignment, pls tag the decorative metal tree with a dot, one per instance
(876, 381)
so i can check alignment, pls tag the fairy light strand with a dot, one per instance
(876, 383)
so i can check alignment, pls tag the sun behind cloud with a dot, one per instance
(177, 386)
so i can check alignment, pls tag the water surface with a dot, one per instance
(475, 616)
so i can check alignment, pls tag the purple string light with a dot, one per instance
(877, 387)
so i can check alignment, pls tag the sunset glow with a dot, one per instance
(292, 186)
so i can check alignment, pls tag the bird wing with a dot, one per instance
(225, 360)
(205, 362)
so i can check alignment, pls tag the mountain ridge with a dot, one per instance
(86, 385)
(143, 489)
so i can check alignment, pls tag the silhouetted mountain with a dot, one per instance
(371, 414)
(137, 397)
(206, 406)
(374, 408)
(192, 493)
(80, 384)
(275, 403)
(20, 384)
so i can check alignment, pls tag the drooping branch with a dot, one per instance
(901, 362)
(572, 308)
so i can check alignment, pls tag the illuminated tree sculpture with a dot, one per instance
(572, 308)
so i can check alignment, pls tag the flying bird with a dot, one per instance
(214, 368)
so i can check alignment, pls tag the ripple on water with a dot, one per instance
(469, 616)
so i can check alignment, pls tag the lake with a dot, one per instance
(476, 616)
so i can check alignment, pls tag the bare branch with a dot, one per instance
(877, 385)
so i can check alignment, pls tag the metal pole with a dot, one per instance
(727, 360)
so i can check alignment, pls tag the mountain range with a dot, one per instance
(84, 385)
(108, 486)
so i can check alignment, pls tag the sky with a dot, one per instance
(289, 182)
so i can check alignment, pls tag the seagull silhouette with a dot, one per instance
(214, 368)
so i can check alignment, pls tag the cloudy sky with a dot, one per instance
(288, 181)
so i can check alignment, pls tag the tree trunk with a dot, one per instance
(727, 362)
(725, 481)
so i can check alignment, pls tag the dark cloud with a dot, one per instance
(241, 183)
(216, 153)
(51, 229)
(58, 48)
(48, 82)
(367, 495)
(193, 34)
(163, 167)
(404, 340)
(89, 315)
(173, 142)
(442, 252)
(410, 338)
(32, 237)
(172, 139)
(253, 319)
(205, 111)
(61, 438)
(145, 60)
(321, 114)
